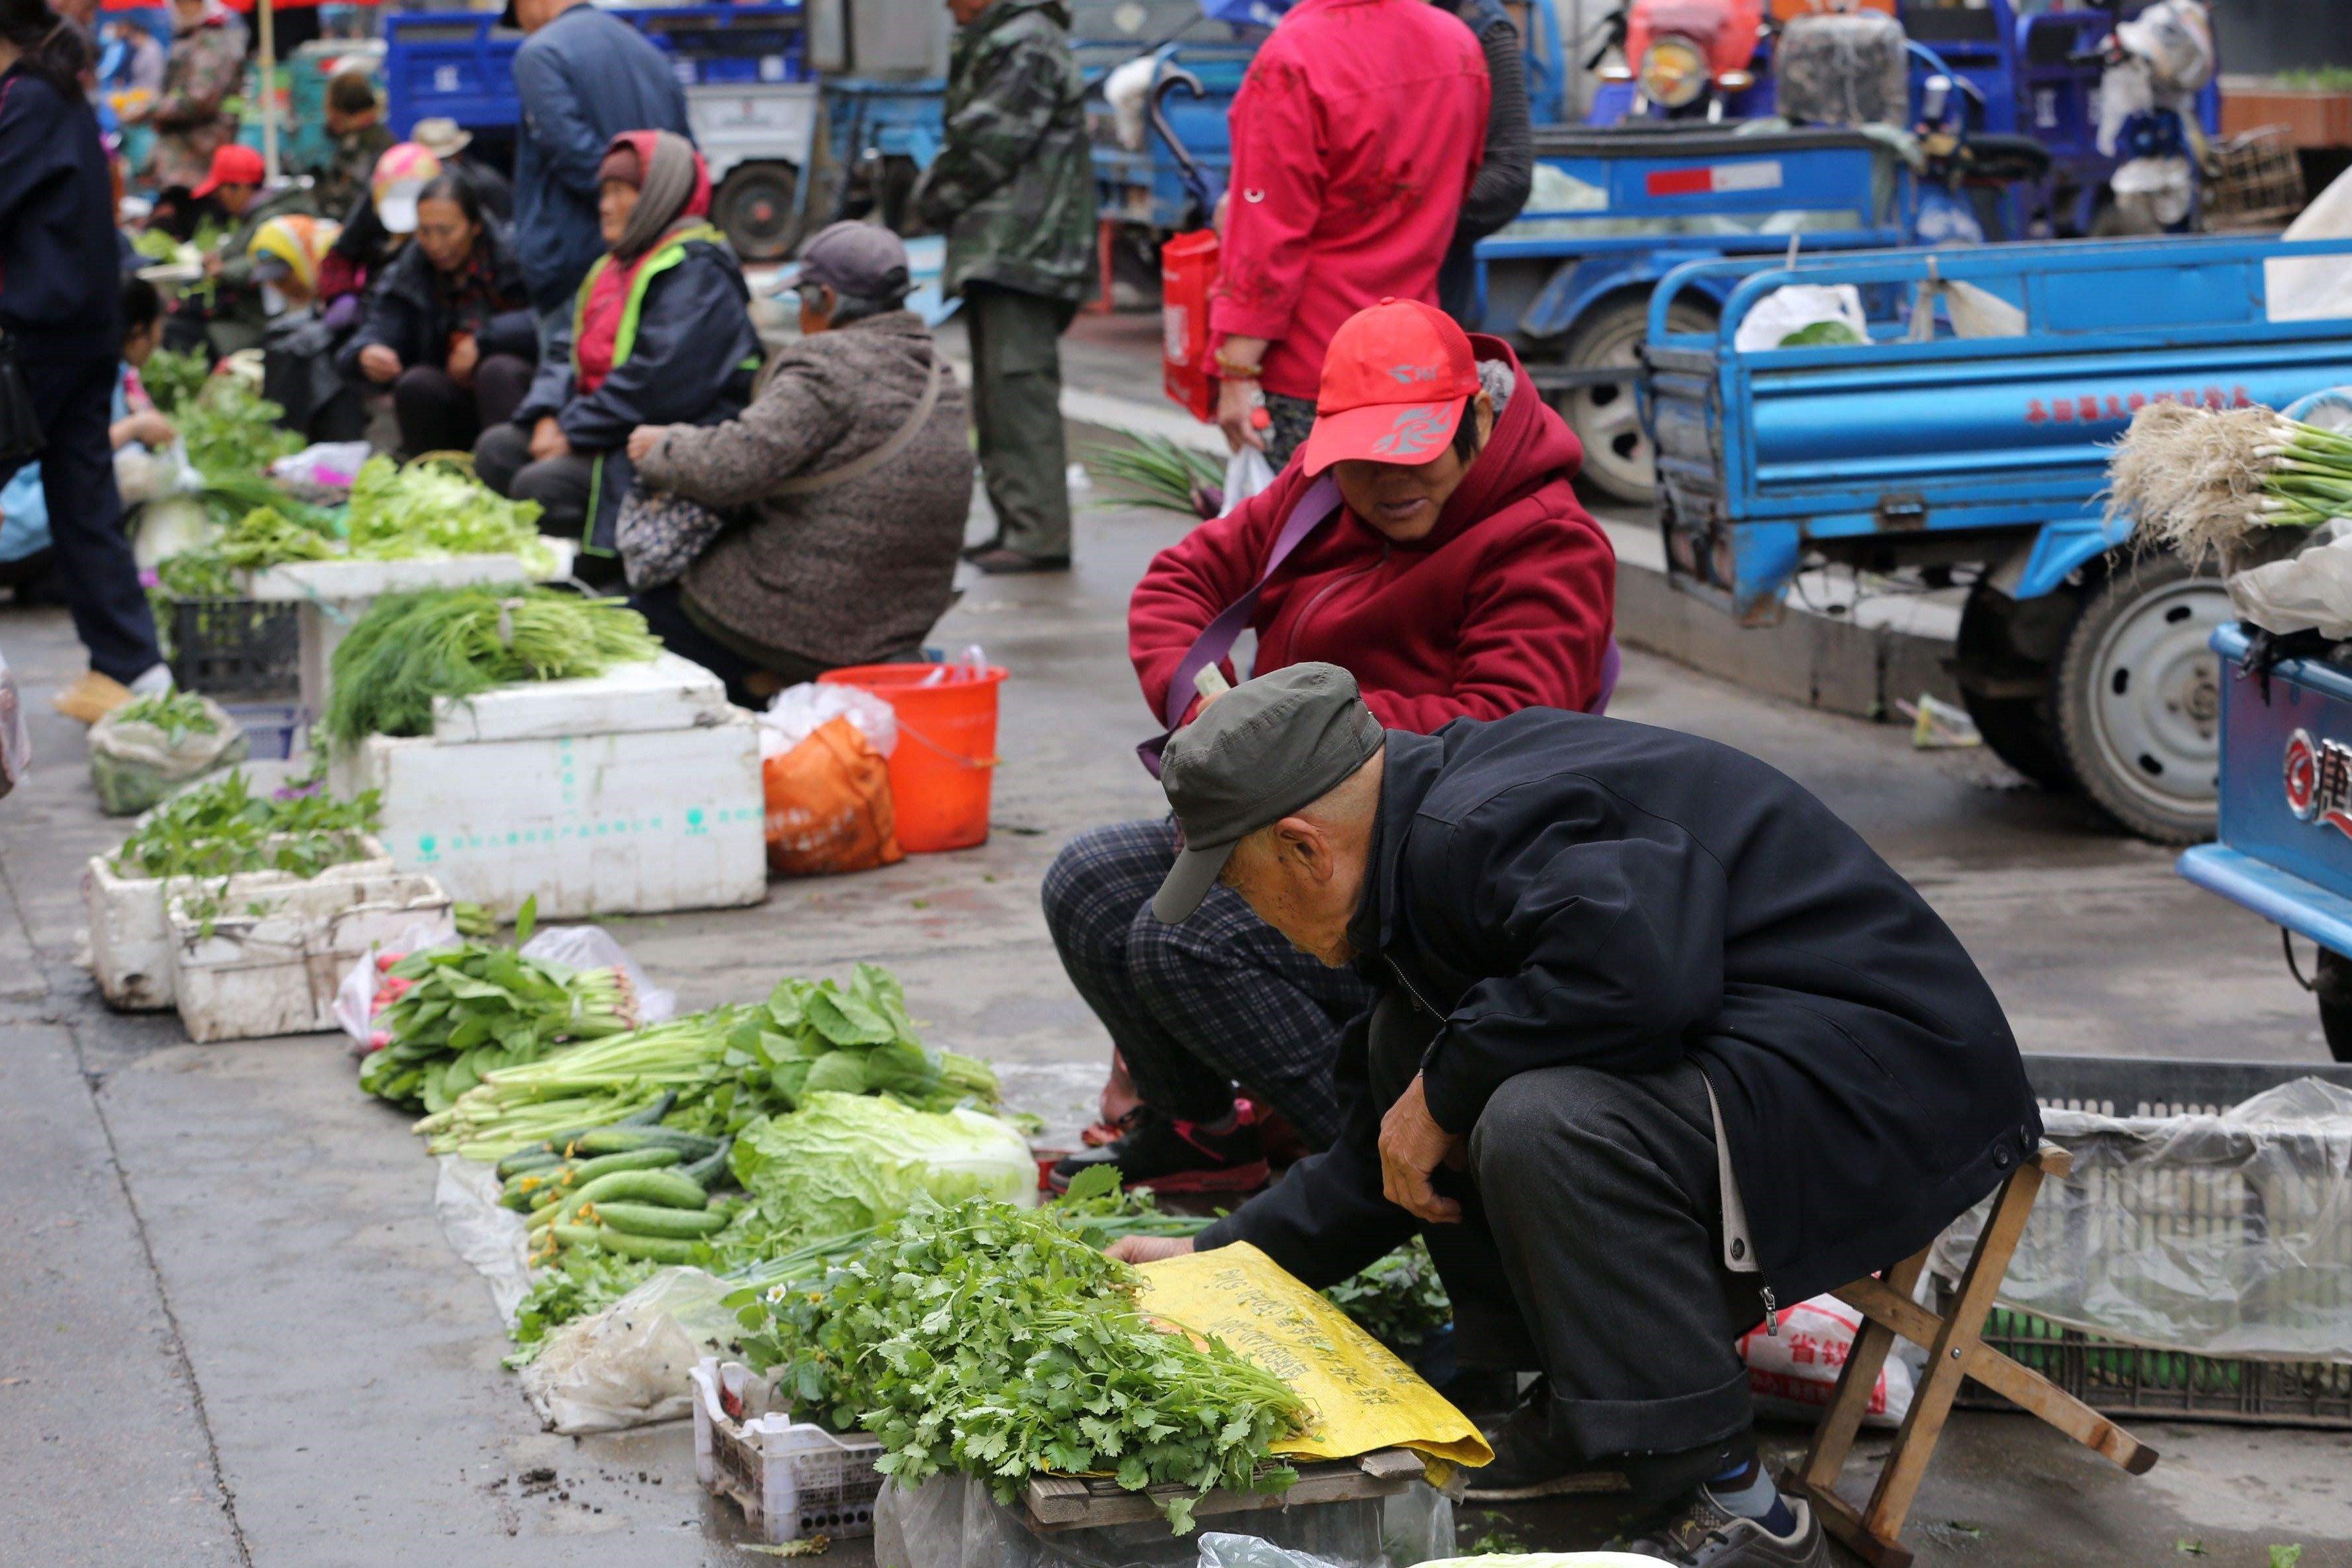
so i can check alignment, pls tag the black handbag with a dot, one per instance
(20, 424)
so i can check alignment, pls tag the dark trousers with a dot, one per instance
(72, 386)
(1197, 1007)
(562, 486)
(664, 609)
(437, 415)
(1590, 1250)
(1016, 413)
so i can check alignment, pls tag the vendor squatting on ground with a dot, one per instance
(1719, 1055)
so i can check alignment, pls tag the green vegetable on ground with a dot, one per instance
(434, 506)
(220, 827)
(1399, 1299)
(172, 378)
(410, 648)
(998, 1341)
(178, 714)
(819, 1037)
(847, 1161)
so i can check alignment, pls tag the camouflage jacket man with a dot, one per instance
(1013, 186)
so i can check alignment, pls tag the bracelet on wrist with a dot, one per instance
(1232, 370)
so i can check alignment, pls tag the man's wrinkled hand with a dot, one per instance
(1148, 1248)
(644, 439)
(1412, 1145)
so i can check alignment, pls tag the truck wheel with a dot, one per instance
(2139, 698)
(754, 209)
(2021, 730)
(1617, 456)
(2331, 981)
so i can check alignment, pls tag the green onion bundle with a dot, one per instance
(2310, 475)
(411, 648)
(2204, 482)
(1156, 471)
(589, 1085)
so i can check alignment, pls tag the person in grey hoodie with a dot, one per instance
(853, 476)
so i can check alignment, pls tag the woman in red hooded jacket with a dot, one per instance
(1426, 538)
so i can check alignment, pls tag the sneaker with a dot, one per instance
(1703, 1534)
(1000, 561)
(1170, 1156)
(1530, 1462)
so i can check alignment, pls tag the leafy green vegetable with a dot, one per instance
(410, 648)
(171, 379)
(221, 827)
(433, 507)
(1000, 1342)
(847, 1161)
(819, 1038)
(231, 429)
(1156, 471)
(178, 714)
(585, 1281)
(1821, 334)
(1398, 1301)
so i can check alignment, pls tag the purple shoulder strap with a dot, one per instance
(1217, 638)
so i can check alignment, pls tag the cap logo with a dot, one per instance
(1406, 375)
(1415, 430)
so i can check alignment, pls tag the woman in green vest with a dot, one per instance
(660, 335)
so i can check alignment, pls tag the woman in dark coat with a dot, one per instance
(450, 328)
(660, 335)
(60, 308)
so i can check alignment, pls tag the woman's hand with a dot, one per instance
(1150, 1249)
(150, 428)
(644, 439)
(1237, 407)
(547, 440)
(379, 364)
(465, 353)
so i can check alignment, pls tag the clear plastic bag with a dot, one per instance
(797, 712)
(632, 1364)
(2219, 1235)
(15, 739)
(950, 1521)
(1795, 306)
(2311, 591)
(135, 764)
(482, 1230)
(332, 465)
(1246, 473)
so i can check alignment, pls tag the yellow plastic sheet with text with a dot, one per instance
(1362, 1395)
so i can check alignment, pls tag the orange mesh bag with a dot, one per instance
(829, 805)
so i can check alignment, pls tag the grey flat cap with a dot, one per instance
(1259, 753)
(860, 258)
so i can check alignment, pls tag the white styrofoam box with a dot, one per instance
(634, 823)
(664, 692)
(333, 596)
(131, 939)
(791, 1478)
(272, 965)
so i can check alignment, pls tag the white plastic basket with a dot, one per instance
(791, 1479)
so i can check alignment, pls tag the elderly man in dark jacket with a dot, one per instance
(1659, 1046)
(584, 76)
(1013, 190)
(852, 463)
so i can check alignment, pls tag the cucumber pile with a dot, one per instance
(637, 1190)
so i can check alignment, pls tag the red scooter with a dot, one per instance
(1683, 59)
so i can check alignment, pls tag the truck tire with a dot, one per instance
(2138, 698)
(2331, 982)
(2022, 731)
(1617, 456)
(754, 209)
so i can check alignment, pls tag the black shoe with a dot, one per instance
(999, 561)
(975, 551)
(1171, 1156)
(1530, 1462)
(1702, 1534)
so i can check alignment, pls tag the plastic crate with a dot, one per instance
(235, 647)
(2120, 1378)
(791, 1479)
(274, 731)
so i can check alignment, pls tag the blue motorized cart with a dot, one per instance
(2285, 829)
(751, 96)
(1980, 460)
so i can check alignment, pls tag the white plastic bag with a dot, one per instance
(797, 712)
(482, 1230)
(577, 947)
(15, 740)
(1793, 1372)
(330, 464)
(135, 762)
(1790, 309)
(2311, 287)
(2310, 592)
(1246, 473)
(632, 1364)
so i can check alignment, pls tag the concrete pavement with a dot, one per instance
(230, 1332)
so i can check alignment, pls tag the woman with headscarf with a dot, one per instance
(660, 335)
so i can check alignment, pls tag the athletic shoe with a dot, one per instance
(1703, 1534)
(1530, 1462)
(1170, 1156)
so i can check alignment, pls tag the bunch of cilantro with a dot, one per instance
(1000, 1342)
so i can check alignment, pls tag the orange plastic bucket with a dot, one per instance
(946, 757)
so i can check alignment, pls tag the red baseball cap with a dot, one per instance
(1394, 382)
(234, 165)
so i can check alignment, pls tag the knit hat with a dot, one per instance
(622, 163)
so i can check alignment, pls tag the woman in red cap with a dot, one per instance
(1427, 539)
